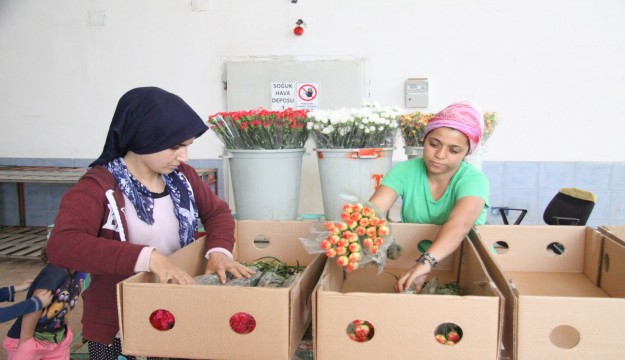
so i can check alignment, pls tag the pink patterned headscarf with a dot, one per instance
(463, 117)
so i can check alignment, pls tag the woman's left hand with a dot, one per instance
(220, 263)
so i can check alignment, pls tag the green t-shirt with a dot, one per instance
(410, 182)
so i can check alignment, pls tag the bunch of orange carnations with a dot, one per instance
(361, 234)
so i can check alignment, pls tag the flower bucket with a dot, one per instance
(265, 183)
(351, 172)
(413, 151)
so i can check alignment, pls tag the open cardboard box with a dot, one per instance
(615, 232)
(561, 303)
(405, 324)
(202, 312)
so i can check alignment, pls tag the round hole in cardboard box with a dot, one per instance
(360, 330)
(500, 247)
(555, 248)
(162, 320)
(448, 334)
(261, 241)
(564, 336)
(242, 323)
(424, 245)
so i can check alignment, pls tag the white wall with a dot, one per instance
(552, 69)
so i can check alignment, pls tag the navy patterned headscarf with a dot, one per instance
(148, 120)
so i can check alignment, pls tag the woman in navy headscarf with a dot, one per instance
(137, 204)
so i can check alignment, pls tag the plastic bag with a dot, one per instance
(270, 279)
(243, 281)
(362, 237)
(211, 279)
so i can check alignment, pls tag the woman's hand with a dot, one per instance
(45, 296)
(167, 271)
(414, 276)
(220, 263)
(23, 286)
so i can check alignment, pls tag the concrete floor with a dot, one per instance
(14, 272)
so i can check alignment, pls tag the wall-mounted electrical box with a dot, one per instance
(417, 93)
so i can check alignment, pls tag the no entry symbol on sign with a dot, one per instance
(307, 92)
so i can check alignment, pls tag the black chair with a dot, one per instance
(570, 206)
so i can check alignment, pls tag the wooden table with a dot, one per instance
(64, 175)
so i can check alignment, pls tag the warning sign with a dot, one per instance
(307, 96)
(295, 95)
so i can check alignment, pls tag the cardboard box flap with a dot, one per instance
(507, 289)
(301, 300)
(612, 278)
(473, 274)
(535, 242)
(615, 232)
(554, 284)
(191, 258)
(409, 236)
(271, 238)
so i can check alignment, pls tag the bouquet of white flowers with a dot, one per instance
(368, 127)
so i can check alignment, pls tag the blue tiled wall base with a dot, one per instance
(531, 185)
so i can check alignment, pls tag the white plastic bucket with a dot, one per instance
(477, 157)
(265, 183)
(356, 172)
(413, 151)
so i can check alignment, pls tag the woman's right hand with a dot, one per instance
(167, 271)
(414, 277)
(44, 296)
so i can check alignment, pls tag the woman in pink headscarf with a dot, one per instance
(439, 188)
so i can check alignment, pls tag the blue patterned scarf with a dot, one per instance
(141, 198)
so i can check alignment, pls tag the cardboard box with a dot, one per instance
(615, 232)
(561, 302)
(405, 324)
(202, 312)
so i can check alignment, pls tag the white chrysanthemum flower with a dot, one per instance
(327, 130)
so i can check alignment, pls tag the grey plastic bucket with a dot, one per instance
(413, 151)
(356, 172)
(266, 183)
